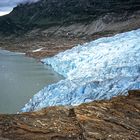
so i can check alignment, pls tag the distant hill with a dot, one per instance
(48, 13)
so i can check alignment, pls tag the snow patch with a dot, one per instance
(37, 50)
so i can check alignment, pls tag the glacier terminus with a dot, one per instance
(100, 69)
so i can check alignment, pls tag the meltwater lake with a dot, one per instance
(20, 78)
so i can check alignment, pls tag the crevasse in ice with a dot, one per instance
(97, 70)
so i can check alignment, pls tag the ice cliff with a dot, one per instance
(100, 69)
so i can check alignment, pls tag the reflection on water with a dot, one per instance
(20, 78)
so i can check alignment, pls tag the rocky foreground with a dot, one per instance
(116, 119)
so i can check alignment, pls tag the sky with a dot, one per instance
(6, 6)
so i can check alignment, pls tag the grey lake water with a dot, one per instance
(20, 78)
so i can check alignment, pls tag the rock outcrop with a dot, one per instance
(115, 119)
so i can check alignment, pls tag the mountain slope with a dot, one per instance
(49, 13)
(70, 10)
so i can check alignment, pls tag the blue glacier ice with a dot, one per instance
(97, 70)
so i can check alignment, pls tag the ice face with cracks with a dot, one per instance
(97, 70)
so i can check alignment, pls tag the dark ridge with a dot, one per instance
(46, 13)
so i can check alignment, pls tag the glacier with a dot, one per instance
(100, 69)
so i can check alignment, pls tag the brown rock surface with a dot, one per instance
(115, 119)
(50, 46)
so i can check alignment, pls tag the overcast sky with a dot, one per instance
(6, 6)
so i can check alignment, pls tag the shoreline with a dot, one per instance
(40, 48)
